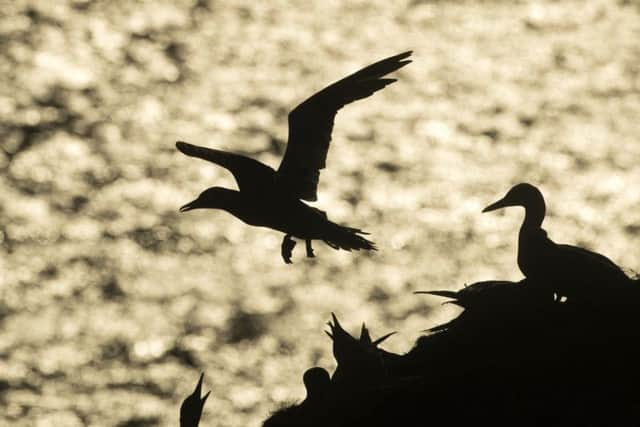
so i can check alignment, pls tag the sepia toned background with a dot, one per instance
(112, 303)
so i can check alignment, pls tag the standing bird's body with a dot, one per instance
(273, 199)
(569, 271)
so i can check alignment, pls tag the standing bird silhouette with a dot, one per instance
(570, 271)
(273, 199)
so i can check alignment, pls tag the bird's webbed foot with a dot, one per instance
(310, 253)
(287, 248)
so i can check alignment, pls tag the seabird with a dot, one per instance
(273, 199)
(570, 271)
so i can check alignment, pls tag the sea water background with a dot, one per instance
(111, 302)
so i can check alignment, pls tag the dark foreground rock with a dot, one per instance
(514, 356)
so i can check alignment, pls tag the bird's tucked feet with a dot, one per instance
(310, 253)
(287, 248)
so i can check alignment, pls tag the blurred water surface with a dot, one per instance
(111, 302)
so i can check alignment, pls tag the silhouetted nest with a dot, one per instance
(515, 356)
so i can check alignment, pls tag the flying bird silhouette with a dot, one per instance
(191, 408)
(570, 271)
(273, 199)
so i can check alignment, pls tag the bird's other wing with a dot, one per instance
(250, 174)
(311, 124)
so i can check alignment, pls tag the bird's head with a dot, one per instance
(525, 195)
(211, 198)
(316, 381)
(343, 343)
(360, 362)
(191, 408)
(347, 348)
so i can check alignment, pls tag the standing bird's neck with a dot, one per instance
(534, 212)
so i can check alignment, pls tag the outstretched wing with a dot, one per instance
(311, 123)
(250, 174)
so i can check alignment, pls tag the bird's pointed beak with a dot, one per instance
(335, 321)
(446, 294)
(364, 334)
(502, 203)
(383, 338)
(204, 398)
(198, 389)
(189, 206)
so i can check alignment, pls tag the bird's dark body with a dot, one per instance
(568, 270)
(282, 213)
(273, 198)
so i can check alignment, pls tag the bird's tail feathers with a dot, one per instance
(348, 239)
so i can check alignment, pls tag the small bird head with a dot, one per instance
(359, 361)
(525, 195)
(316, 381)
(191, 409)
(211, 198)
(342, 341)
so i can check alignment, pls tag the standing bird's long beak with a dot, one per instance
(502, 203)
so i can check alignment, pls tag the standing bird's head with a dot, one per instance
(211, 198)
(191, 409)
(525, 195)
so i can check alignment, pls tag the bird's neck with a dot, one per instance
(531, 239)
(534, 212)
(228, 200)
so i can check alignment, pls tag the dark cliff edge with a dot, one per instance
(516, 355)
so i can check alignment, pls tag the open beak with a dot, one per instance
(502, 203)
(446, 294)
(198, 390)
(189, 206)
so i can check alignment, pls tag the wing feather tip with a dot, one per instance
(183, 146)
(401, 56)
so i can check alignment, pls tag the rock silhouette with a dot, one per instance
(512, 357)
(273, 199)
